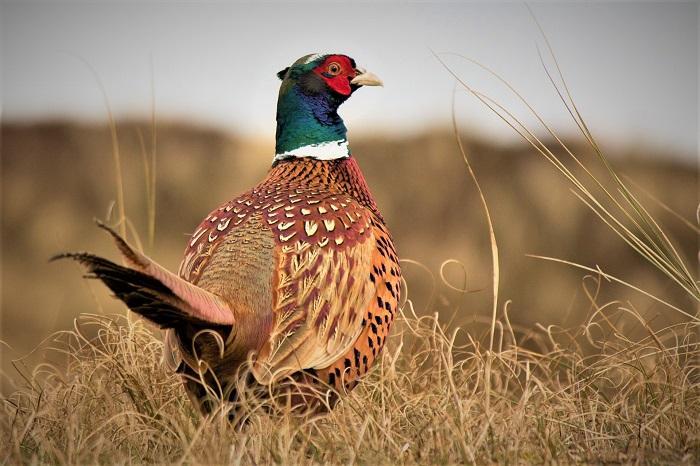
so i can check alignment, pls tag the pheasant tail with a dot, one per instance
(151, 291)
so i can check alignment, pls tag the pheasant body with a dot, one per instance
(320, 221)
(298, 275)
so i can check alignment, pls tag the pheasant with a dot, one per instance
(298, 277)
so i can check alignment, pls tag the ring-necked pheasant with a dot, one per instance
(298, 275)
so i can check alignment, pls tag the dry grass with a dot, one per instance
(587, 394)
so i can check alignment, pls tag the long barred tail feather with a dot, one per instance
(142, 293)
(151, 290)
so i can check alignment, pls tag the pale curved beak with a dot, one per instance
(365, 78)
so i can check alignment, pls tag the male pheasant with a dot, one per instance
(298, 276)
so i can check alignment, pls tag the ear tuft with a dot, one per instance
(283, 73)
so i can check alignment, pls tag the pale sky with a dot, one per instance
(632, 67)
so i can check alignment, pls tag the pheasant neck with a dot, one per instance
(308, 125)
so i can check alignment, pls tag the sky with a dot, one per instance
(631, 67)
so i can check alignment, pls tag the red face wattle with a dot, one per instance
(337, 71)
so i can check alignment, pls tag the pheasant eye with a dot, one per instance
(334, 69)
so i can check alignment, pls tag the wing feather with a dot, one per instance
(321, 293)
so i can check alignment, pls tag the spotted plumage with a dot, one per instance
(298, 276)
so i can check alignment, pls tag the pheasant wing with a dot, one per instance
(322, 285)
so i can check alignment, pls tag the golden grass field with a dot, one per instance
(568, 366)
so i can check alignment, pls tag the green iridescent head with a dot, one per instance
(308, 124)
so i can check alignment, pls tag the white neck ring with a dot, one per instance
(329, 150)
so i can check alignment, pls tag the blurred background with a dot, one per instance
(206, 72)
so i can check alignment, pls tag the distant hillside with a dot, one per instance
(57, 176)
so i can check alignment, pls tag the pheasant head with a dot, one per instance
(308, 124)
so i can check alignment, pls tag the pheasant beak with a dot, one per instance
(365, 78)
